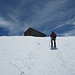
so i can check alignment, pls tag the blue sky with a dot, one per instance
(16, 16)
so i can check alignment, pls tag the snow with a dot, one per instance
(25, 55)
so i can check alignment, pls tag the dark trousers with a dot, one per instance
(53, 42)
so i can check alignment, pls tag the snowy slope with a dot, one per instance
(20, 55)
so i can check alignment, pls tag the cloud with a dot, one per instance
(43, 15)
(72, 21)
(11, 27)
(47, 14)
(70, 33)
(4, 23)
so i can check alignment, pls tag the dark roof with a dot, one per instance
(34, 30)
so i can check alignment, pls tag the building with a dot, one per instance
(32, 32)
(0, 35)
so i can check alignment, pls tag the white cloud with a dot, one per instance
(36, 18)
(4, 23)
(70, 33)
(48, 13)
(13, 28)
(13, 17)
(72, 21)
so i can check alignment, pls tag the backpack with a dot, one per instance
(53, 35)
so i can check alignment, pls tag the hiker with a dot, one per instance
(53, 39)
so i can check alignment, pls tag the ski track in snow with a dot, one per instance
(33, 56)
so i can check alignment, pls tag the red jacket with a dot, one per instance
(53, 35)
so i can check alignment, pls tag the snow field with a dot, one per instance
(20, 55)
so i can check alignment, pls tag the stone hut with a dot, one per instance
(32, 32)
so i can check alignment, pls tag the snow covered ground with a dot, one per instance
(20, 55)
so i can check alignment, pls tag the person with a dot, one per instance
(53, 39)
